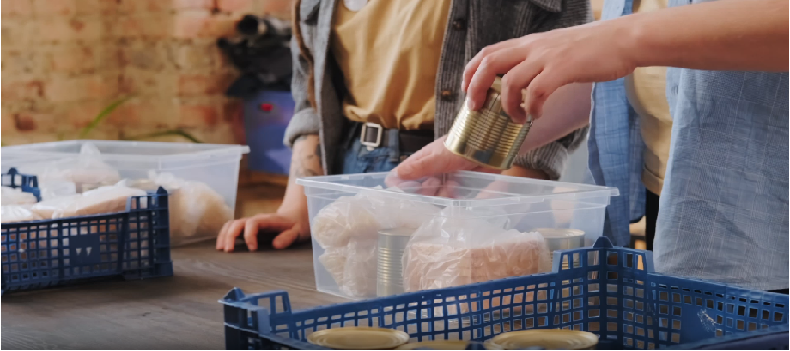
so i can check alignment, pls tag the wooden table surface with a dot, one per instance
(179, 312)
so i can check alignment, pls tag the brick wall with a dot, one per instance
(63, 61)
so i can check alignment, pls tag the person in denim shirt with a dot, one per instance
(724, 203)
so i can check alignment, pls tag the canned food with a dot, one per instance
(359, 338)
(436, 345)
(548, 339)
(392, 243)
(562, 239)
(488, 136)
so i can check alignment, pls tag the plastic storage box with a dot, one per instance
(609, 291)
(215, 165)
(134, 244)
(521, 203)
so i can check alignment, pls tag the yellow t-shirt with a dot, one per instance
(389, 53)
(646, 93)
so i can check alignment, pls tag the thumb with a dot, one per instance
(286, 238)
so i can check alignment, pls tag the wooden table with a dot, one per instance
(179, 312)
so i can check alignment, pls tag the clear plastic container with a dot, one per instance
(215, 165)
(522, 204)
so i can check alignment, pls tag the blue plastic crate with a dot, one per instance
(27, 183)
(610, 291)
(134, 244)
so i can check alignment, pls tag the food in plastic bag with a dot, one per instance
(359, 272)
(364, 214)
(109, 199)
(15, 196)
(88, 172)
(460, 247)
(197, 212)
(55, 189)
(334, 261)
(17, 213)
(47, 208)
(347, 217)
(353, 267)
(348, 230)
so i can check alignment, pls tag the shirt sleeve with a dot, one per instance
(305, 120)
(551, 157)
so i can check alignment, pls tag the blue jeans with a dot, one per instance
(358, 159)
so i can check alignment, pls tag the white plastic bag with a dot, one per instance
(15, 196)
(47, 208)
(197, 212)
(364, 214)
(87, 172)
(17, 213)
(347, 217)
(462, 247)
(55, 189)
(109, 199)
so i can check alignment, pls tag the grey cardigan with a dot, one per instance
(471, 26)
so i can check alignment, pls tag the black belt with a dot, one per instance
(374, 135)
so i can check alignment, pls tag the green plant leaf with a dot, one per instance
(172, 132)
(102, 116)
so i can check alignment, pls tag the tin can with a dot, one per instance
(392, 243)
(488, 136)
(562, 239)
(359, 338)
(436, 345)
(547, 339)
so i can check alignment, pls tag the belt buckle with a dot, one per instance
(379, 131)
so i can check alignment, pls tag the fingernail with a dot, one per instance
(472, 105)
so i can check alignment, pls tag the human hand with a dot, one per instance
(291, 225)
(435, 159)
(543, 62)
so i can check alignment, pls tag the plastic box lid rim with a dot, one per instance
(580, 190)
(199, 149)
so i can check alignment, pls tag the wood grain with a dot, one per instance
(179, 312)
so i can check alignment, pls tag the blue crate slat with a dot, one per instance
(28, 183)
(610, 291)
(134, 244)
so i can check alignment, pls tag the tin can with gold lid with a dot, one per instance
(359, 338)
(487, 136)
(547, 339)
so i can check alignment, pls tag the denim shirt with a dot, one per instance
(724, 205)
(615, 146)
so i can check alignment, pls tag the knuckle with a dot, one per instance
(488, 61)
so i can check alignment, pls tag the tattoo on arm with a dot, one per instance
(306, 163)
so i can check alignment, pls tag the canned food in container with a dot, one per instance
(392, 243)
(562, 239)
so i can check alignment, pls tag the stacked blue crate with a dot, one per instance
(134, 244)
(610, 291)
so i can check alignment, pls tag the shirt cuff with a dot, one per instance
(303, 122)
(550, 159)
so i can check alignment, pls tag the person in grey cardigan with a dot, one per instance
(374, 81)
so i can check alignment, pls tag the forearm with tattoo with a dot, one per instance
(306, 160)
